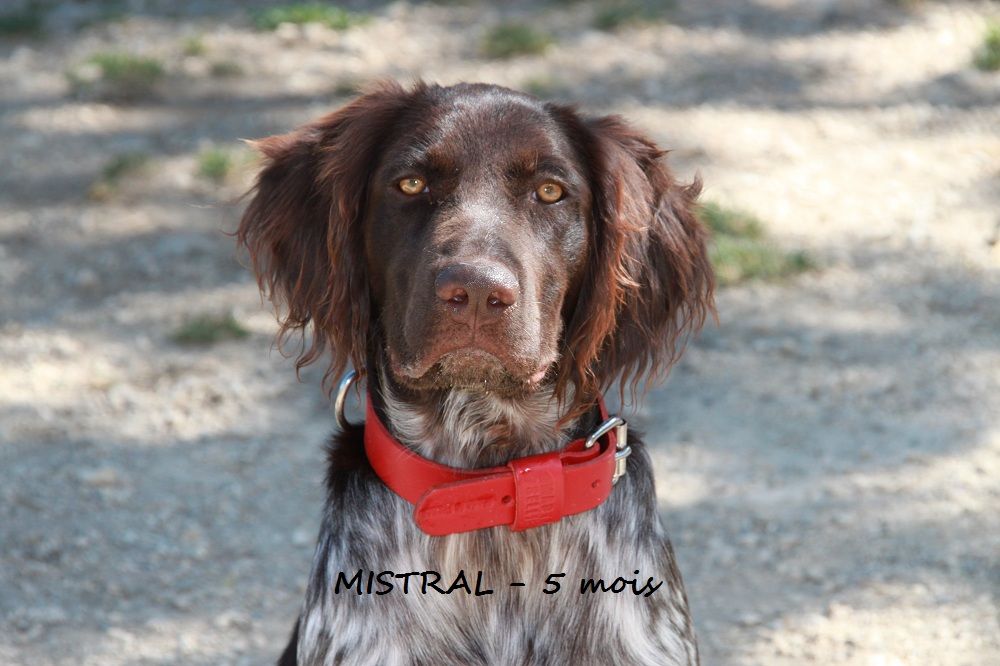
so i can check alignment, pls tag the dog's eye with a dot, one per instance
(549, 193)
(413, 186)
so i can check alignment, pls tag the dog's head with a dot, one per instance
(488, 240)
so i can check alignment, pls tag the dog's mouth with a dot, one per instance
(473, 368)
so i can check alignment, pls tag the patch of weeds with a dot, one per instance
(617, 13)
(117, 168)
(739, 259)
(731, 222)
(987, 57)
(123, 164)
(346, 87)
(331, 16)
(194, 46)
(225, 69)
(215, 164)
(740, 249)
(26, 22)
(512, 39)
(540, 86)
(117, 76)
(209, 329)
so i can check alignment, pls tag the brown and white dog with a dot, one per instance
(492, 263)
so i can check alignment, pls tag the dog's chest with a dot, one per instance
(396, 596)
(577, 591)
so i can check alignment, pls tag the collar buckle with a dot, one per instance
(622, 449)
(621, 457)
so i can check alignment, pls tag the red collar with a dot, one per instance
(524, 493)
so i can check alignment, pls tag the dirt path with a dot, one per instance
(828, 458)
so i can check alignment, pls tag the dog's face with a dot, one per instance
(474, 235)
(489, 241)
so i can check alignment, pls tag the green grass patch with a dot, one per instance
(124, 164)
(616, 15)
(741, 250)
(128, 69)
(209, 329)
(987, 56)
(215, 164)
(194, 46)
(513, 39)
(346, 87)
(731, 222)
(117, 168)
(225, 69)
(329, 15)
(740, 259)
(26, 22)
(540, 86)
(907, 4)
(613, 15)
(117, 76)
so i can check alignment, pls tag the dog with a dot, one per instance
(490, 264)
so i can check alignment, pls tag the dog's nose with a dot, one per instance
(486, 287)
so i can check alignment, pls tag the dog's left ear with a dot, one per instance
(302, 228)
(648, 282)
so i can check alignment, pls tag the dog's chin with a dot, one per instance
(471, 370)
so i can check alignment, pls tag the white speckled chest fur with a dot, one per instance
(370, 529)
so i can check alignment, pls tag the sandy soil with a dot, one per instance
(828, 457)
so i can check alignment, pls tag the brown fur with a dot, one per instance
(302, 227)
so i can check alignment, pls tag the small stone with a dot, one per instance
(99, 477)
(783, 644)
(180, 602)
(315, 33)
(289, 33)
(233, 620)
(121, 635)
(837, 611)
(813, 574)
(86, 278)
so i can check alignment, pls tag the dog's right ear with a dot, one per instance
(302, 228)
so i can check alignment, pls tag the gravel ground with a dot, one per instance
(828, 457)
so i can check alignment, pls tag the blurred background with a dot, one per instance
(828, 457)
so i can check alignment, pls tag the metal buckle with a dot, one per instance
(621, 458)
(622, 449)
(343, 387)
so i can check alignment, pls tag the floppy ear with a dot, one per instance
(649, 282)
(303, 226)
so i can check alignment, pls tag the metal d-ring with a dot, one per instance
(346, 382)
(622, 449)
(603, 429)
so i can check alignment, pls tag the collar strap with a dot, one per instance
(526, 492)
